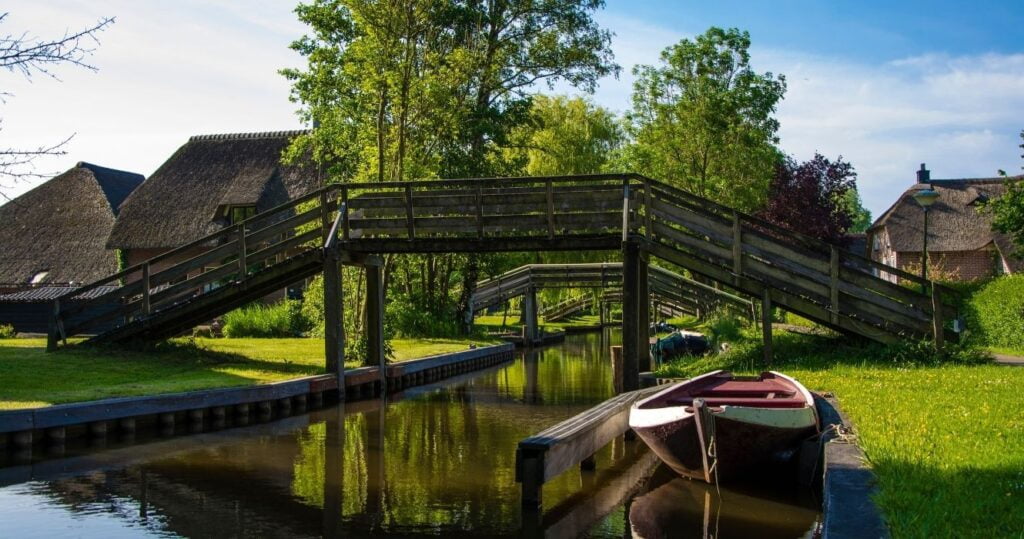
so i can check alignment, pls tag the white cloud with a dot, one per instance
(959, 114)
(166, 71)
(169, 70)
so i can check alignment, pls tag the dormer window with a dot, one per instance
(237, 214)
(38, 277)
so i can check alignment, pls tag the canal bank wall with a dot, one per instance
(20, 430)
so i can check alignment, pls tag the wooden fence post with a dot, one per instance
(52, 334)
(146, 307)
(531, 333)
(630, 316)
(325, 217)
(410, 221)
(551, 209)
(375, 319)
(643, 344)
(937, 323)
(241, 254)
(334, 327)
(833, 284)
(766, 324)
(479, 213)
(737, 248)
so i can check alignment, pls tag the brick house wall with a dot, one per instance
(956, 265)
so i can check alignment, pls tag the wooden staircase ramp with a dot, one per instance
(566, 308)
(811, 278)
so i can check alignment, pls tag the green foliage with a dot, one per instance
(995, 313)
(704, 120)
(723, 327)
(413, 316)
(859, 215)
(1008, 210)
(7, 331)
(424, 88)
(282, 319)
(564, 136)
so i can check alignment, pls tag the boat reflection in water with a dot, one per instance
(765, 508)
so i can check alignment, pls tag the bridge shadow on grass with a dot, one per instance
(823, 352)
(920, 500)
(32, 377)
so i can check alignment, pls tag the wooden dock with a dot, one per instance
(571, 443)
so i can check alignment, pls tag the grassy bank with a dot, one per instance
(945, 440)
(31, 377)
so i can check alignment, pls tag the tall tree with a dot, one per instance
(408, 89)
(812, 197)
(704, 119)
(1008, 210)
(30, 57)
(564, 136)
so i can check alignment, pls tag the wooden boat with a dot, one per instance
(679, 342)
(718, 426)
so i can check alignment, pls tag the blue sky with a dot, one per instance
(888, 85)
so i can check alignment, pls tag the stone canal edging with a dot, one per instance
(848, 482)
(20, 429)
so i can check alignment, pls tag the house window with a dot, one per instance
(38, 278)
(237, 214)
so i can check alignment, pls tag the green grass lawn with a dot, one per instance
(29, 377)
(945, 441)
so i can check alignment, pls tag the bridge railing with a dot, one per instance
(505, 210)
(823, 281)
(228, 256)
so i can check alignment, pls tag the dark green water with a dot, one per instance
(434, 460)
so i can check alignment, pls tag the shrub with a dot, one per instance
(283, 319)
(723, 327)
(995, 313)
(7, 331)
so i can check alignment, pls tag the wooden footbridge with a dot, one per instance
(665, 287)
(353, 223)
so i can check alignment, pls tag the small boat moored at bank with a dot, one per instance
(718, 426)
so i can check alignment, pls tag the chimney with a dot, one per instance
(924, 175)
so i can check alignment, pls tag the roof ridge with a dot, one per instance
(971, 181)
(252, 135)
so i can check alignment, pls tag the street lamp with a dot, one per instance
(925, 198)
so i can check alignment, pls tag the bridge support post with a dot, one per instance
(643, 314)
(766, 324)
(630, 315)
(375, 318)
(334, 327)
(530, 316)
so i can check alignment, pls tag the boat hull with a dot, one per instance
(717, 427)
(739, 446)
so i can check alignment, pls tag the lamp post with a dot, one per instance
(925, 198)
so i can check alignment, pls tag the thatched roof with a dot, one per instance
(185, 199)
(61, 227)
(954, 221)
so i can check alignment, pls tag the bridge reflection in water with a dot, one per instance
(435, 460)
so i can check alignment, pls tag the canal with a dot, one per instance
(435, 460)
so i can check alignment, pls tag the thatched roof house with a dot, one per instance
(961, 242)
(56, 234)
(207, 184)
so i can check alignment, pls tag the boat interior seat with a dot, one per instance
(792, 401)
